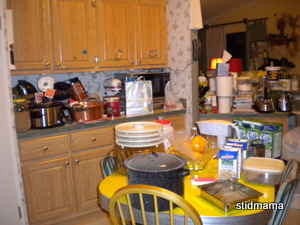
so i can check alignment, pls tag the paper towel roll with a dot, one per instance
(224, 104)
(224, 86)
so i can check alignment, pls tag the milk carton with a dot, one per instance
(269, 132)
(239, 143)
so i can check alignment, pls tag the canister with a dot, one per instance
(273, 72)
(112, 106)
(22, 115)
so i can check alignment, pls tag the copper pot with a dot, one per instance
(86, 111)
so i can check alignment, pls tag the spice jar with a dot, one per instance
(22, 115)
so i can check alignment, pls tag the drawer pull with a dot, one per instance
(94, 139)
(77, 161)
(45, 148)
(67, 163)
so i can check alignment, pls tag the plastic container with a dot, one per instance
(263, 170)
(244, 83)
(112, 106)
(167, 132)
(22, 115)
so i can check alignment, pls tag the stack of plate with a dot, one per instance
(139, 134)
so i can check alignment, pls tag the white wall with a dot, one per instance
(10, 185)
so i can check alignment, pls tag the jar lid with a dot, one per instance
(163, 122)
(19, 100)
(155, 162)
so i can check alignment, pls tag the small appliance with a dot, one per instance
(220, 128)
(112, 86)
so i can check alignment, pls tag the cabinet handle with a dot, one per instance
(94, 139)
(58, 64)
(131, 61)
(45, 148)
(77, 161)
(93, 3)
(47, 63)
(139, 61)
(117, 55)
(67, 163)
(152, 53)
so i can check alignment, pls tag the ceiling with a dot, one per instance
(213, 8)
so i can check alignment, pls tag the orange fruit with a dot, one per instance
(199, 143)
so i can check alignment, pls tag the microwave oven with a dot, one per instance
(158, 80)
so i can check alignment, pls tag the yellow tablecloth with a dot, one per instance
(208, 211)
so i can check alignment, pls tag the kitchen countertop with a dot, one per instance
(102, 123)
(250, 115)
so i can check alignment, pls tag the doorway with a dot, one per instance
(236, 45)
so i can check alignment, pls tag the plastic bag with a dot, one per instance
(172, 99)
(291, 145)
(139, 97)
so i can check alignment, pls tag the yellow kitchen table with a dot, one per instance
(210, 214)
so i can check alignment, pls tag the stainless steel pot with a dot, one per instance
(157, 169)
(284, 103)
(46, 115)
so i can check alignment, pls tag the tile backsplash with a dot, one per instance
(92, 82)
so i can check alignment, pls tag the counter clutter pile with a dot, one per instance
(233, 90)
(58, 102)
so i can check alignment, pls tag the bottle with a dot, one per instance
(22, 115)
(265, 58)
(194, 132)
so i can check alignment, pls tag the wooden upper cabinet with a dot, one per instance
(132, 33)
(73, 26)
(115, 33)
(151, 32)
(32, 34)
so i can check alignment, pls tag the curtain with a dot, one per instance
(256, 30)
(215, 43)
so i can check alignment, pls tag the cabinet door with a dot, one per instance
(151, 32)
(32, 35)
(48, 189)
(87, 176)
(73, 24)
(115, 33)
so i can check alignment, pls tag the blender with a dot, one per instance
(263, 102)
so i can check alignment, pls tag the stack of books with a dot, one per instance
(243, 104)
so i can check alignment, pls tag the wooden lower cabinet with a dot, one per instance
(48, 188)
(61, 187)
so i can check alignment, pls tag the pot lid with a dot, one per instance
(155, 162)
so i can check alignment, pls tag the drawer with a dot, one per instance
(44, 147)
(92, 139)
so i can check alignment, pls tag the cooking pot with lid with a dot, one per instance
(46, 115)
(157, 169)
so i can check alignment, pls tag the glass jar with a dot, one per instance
(22, 115)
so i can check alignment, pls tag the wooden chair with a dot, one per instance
(108, 165)
(123, 206)
(291, 170)
(284, 196)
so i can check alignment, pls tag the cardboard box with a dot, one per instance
(269, 132)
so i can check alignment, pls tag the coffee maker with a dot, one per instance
(264, 102)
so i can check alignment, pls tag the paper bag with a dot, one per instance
(139, 97)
